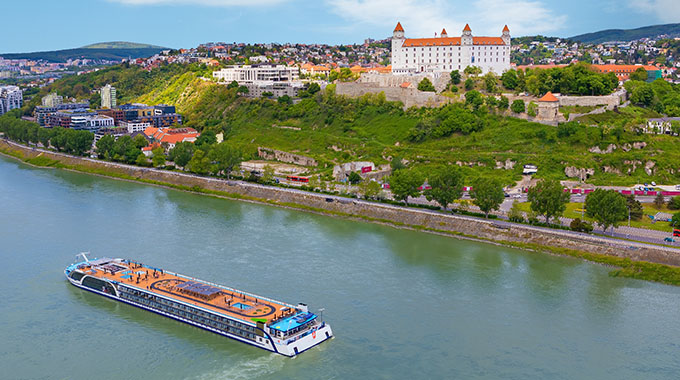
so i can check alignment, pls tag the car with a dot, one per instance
(669, 239)
(506, 195)
(653, 183)
(677, 187)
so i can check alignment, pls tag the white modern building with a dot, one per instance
(444, 53)
(108, 94)
(257, 73)
(91, 122)
(277, 80)
(134, 126)
(11, 97)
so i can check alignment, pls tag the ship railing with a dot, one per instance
(234, 290)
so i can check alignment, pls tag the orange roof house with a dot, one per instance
(171, 136)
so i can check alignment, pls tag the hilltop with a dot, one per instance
(121, 45)
(111, 51)
(626, 35)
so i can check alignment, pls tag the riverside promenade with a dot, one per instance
(461, 226)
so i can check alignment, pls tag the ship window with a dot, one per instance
(76, 275)
(97, 284)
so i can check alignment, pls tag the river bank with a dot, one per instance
(635, 260)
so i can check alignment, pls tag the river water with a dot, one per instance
(402, 304)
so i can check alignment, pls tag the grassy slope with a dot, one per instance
(375, 135)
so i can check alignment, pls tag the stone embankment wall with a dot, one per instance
(468, 226)
(291, 158)
(408, 96)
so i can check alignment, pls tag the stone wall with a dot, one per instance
(408, 96)
(291, 158)
(457, 224)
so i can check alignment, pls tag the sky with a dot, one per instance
(40, 25)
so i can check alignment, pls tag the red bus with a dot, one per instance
(676, 232)
(295, 178)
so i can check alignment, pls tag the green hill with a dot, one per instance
(114, 51)
(333, 129)
(653, 31)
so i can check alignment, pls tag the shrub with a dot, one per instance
(674, 203)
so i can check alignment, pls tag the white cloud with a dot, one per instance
(664, 10)
(210, 3)
(422, 18)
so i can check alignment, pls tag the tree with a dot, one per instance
(404, 184)
(472, 70)
(455, 77)
(354, 178)
(199, 163)
(446, 185)
(515, 213)
(182, 153)
(509, 79)
(206, 138)
(474, 99)
(532, 109)
(396, 164)
(548, 199)
(426, 85)
(659, 200)
(674, 203)
(313, 88)
(267, 174)
(233, 84)
(105, 147)
(225, 157)
(490, 81)
(503, 103)
(158, 159)
(487, 194)
(285, 99)
(675, 221)
(580, 226)
(639, 74)
(242, 90)
(607, 207)
(140, 141)
(141, 160)
(370, 189)
(469, 84)
(517, 106)
(634, 206)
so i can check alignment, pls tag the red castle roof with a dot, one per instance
(506, 29)
(467, 28)
(398, 28)
(444, 32)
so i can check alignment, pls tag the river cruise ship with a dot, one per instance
(262, 322)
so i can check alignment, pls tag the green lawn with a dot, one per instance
(574, 211)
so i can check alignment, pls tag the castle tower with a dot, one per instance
(444, 34)
(466, 38)
(506, 35)
(397, 42)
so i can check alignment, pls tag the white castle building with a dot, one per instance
(444, 53)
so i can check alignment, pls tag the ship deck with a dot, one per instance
(225, 301)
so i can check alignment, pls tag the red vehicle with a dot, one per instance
(295, 178)
(676, 232)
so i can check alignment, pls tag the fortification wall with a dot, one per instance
(408, 96)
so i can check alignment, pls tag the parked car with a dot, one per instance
(669, 239)
(653, 183)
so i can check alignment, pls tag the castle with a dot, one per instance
(444, 53)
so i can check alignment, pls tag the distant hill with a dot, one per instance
(114, 51)
(121, 45)
(628, 34)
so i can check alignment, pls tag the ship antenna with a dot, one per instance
(321, 312)
(83, 254)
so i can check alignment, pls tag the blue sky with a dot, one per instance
(50, 25)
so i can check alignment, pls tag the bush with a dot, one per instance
(426, 85)
(517, 106)
(581, 226)
(674, 203)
